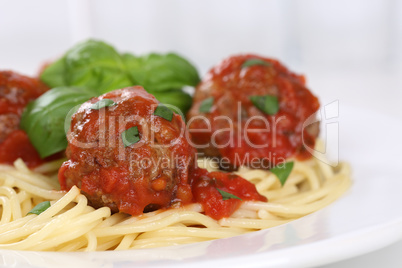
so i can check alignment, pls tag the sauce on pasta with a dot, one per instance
(109, 201)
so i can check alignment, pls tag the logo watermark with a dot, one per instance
(104, 130)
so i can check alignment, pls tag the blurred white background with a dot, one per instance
(348, 35)
(350, 50)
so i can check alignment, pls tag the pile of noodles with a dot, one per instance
(69, 224)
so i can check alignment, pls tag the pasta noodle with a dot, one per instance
(69, 224)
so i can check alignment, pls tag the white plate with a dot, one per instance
(366, 218)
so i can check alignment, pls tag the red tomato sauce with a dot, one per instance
(16, 91)
(252, 134)
(205, 187)
(111, 174)
(152, 173)
(17, 145)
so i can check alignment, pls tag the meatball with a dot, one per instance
(250, 110)
(128, 156)
(8, 123)
(15, 92)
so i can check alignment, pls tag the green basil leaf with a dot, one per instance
(96, 65)
(54, 74)
(44, 118)
(161, 72)
(206, 105)
(164, 112)
(92, 64)
(267, 104)
(226, 195)
(102, 104)
(176, 97)
(282, 171)
(130, 136)
(39, 208)
(252, 62)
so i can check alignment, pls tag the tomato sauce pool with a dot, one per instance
(221, 193)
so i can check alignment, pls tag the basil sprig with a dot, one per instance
(160, 72)
(92, 64)
(252, 62)
(206, 105)
(39, 208)
(267, 104)
(283, 171)
(98, 66)
(226, 195)
(93, 68)
(130, 136)
(164, 112)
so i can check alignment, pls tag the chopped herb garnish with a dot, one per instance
(39, 208)
(226, 195)
(252, 62)
(268, 104)
(102, 103)
(282, 171)
(130, 136)
(206, 105)
(164, 112)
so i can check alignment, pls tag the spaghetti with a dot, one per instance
(69, 224)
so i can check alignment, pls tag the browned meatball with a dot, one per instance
(127, 155)
(15, 92)
(251, 110)
(8, 124)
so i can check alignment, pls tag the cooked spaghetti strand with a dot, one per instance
(70, 224)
